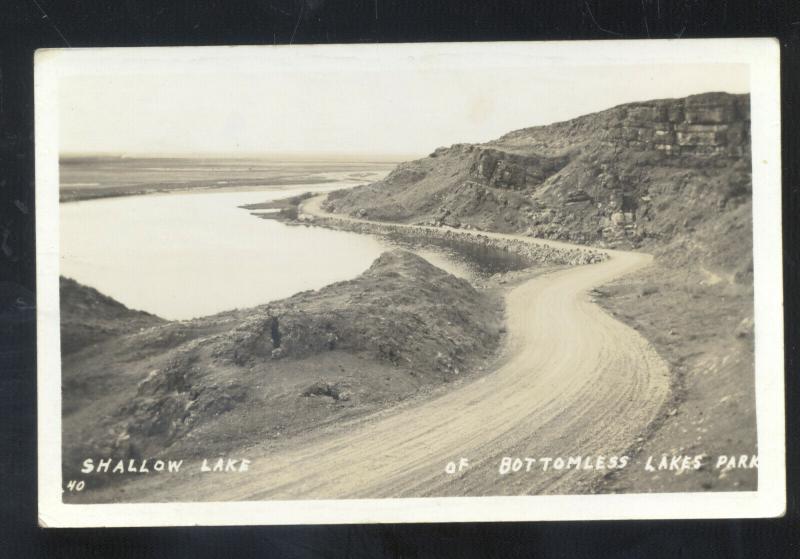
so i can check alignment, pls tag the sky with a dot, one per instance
(373, 110)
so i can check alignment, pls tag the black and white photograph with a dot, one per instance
(431, 282)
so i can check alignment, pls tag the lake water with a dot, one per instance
(186, 255)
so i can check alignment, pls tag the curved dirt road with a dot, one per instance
(574, 382)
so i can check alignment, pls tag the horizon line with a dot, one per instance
(294, 156)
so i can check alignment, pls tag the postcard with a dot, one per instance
(409, 283)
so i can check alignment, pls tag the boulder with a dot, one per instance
(745, 328)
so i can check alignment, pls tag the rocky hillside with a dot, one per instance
(217, 383)
(89, 317)
(640, 174)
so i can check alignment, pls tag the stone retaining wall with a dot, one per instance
(535, 253)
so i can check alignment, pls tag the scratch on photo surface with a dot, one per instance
(600, 27)
(45, 16)
(296, 25)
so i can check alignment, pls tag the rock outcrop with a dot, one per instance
(640, 174)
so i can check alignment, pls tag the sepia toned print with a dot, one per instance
(483, 279)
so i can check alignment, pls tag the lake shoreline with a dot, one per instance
(83, 194)
(174, 254)
(90, 178)
(290, 212)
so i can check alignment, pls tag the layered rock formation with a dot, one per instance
(708, 124)
(637, 174)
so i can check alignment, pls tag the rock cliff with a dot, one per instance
(640, 174)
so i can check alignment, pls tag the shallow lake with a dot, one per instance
(185, 255)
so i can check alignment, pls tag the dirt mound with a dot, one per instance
(387, 313)
(255, 374)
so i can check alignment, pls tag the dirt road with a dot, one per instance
(573, 382)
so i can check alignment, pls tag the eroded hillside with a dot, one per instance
(222, 382)
(640, 174)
